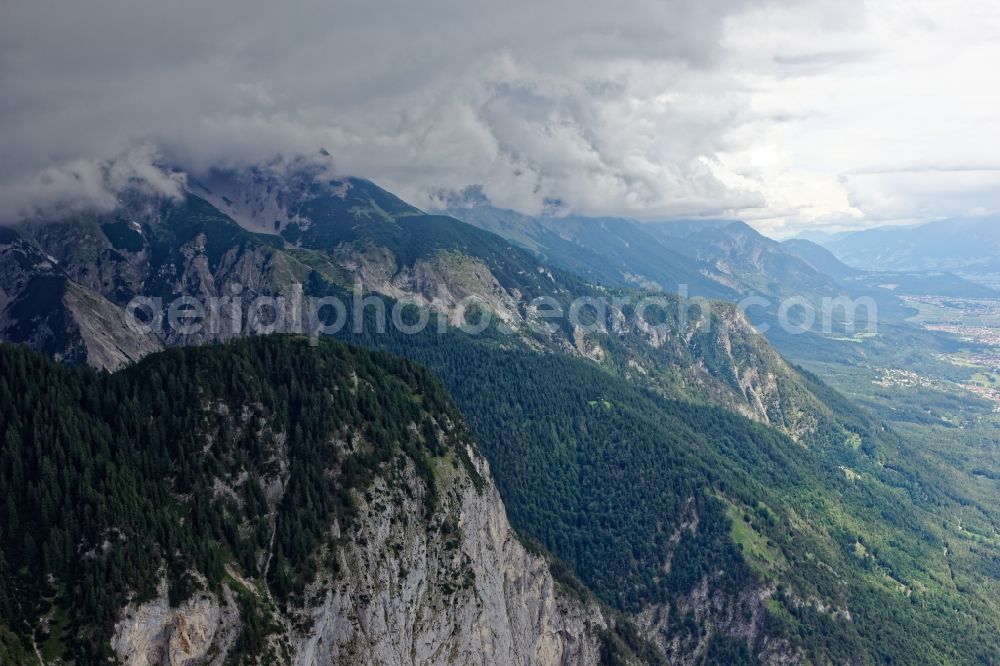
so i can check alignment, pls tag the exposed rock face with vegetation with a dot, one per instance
(321, 505)
(453, 587)
(41, 306)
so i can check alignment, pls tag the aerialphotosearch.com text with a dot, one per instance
(243, 312)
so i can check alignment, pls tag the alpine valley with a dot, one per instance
(653, 485)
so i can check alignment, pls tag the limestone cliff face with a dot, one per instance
(200, 631)
(461, 590)
(109, 341)
(454, 586)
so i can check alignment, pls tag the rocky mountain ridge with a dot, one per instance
(350, 234)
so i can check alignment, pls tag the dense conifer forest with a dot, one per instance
(108, 479)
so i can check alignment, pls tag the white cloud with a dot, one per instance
(787, 114)
(885, 112)
(88, 185)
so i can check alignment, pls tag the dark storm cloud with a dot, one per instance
(525, 97)
(784, 113)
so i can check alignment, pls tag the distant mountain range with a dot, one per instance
(712, 258)
(900, 282)
(969, 247)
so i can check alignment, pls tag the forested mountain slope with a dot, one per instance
(264, 502)
(694, 517)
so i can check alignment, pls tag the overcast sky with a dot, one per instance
(790, 115)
